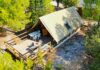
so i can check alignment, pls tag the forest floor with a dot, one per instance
(71, 56)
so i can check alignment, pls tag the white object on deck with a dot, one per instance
(35, 35)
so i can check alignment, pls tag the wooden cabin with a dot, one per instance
(55, 28)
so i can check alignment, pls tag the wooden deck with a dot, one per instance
(22, 49)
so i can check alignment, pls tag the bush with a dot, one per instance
(92, 45)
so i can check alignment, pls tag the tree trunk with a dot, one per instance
(57, 3)
(99, 23)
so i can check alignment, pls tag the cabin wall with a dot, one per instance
(42, 29)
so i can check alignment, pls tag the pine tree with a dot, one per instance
(7, 63)
(13, 13)
(91, 9)
(69, 3)
(92, 45)
(40, 8)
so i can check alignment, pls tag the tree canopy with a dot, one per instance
(13, 13)
(91, 9)
(92, 45)
(7, 63)
(40, 8)
(69, 3)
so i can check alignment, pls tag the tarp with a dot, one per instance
(61, 23)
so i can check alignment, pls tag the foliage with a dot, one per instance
(29, 64)
(92, 41)
(7, 63)
(40, 8)
(48, 8)
(69, 3)
(48, 66)
(45, 64)
(91, 9)
(92, 44)
(40, 59)
(13, 13)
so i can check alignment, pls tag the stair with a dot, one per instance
(22, 34)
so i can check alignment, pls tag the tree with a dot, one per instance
(47, 62)
(29, 64)
(92, 45)
(91, 9)
(69, 3)
(57, 2)
(48, 8)
(7, 63)
(40, 8)
(13, 13)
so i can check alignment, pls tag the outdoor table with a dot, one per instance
(35, 35)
